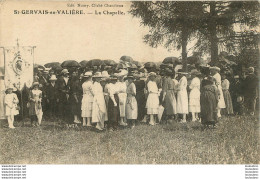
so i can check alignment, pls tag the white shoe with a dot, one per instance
(183, 121)
(99, 128)
(122, 124)
(12, 127)
(89, 125)
(193, 120)
(77, 121)
(84, 125)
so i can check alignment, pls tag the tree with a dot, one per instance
(170, 23)
(220, 23)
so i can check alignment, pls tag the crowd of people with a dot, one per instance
(126, 97)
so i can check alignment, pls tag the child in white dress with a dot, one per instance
(11, 102)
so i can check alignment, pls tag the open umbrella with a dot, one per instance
(109, 62)
(83, 63)
(149, 65)
(94, 62)
(121, 66)
(52, 64)
(193, 60)
(171, 60)
(127, 59)
(70, 63)
(137, 63)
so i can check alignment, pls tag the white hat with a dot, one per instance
(105, 74)
(10, 86)
(152, 74)
(64, 71)
(88, 74)
(251, 70)
(236, 76)
(97, 75)
(215, 68)
(53, 78)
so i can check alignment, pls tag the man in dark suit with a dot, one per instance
(251, 90)
(63, 91)
(52, 96)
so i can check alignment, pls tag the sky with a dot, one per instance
(77, 37)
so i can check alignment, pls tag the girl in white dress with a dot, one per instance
(221, 103)
(194, 98)
(121, 85)
(87, 100)
(99, 112)
(152, 103)
(11, 102)
(182, 96)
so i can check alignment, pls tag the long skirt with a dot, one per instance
(99, 113)
(131, 108)
(194, 100)
(228, 102)
(209, 105)
(221, 103)
(122, 103)
(170, 103)
(182, 102)
(140, 97)
(86, 106)
(113, 112)
(152, 103)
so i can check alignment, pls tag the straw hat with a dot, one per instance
(97, 75)
(10, 86)
(53, 78)
(105, 74)
(88, 74)
(236, 77)
(152, 74)
(181, 71)
(214, 68)
(195, 72)
(129, 77)
(65, 71)
(251, 70)
(35, 84)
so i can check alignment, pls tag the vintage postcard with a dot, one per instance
(121, 82)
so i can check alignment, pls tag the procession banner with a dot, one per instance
(19, 66)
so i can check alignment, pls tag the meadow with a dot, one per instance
(235, 141)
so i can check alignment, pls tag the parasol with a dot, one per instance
(52, 65)
(149, 65)
(83, 63)
(171, 60)
(109, 62)
(137, 63)
(127, 59)
(193, 60)
(94, 62)
(70, 63)
(121, 66)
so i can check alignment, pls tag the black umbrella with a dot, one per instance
(150, 65)
(70, 63)
(193, 60)
(171, 60)
(127, 59)
(121, 66)
(94, 62)
(109, 62)
(137, 63)
(83, 63)
(52, 64)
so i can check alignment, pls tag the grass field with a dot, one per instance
(235, 141)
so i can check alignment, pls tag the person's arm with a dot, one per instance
(111, 92)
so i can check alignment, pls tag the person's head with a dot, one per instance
(74, 74)
(97, 77)
(53, 79)
(152, 76)
(88, 76)
(65, 72)
(224, 76)
(236, 78)
(35, 85)
(113, 79)
(45, 73)
(51, 72)
(251, 70)
(9, 89)
(214, 70)
(130, 79)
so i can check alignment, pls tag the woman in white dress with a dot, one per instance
(194, 98)
(152, 103)
(182, 95)
(221, 103)
(87, 100)
(99, 112)
(121, 85)
(11, 102)
(131, 103)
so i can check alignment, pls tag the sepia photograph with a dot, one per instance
(129, 82)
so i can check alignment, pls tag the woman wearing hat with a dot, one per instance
(221, 103)
(121, 85)
(87, 100)
(131, 103)
(75, 98)
(194, 97)
(228, 101)
(113, 104)
(140, 95)
(11, 102)
(182, 95)
(35, 106)
(99, 113)
(52, 96)
(152, 103)
(169, 99)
